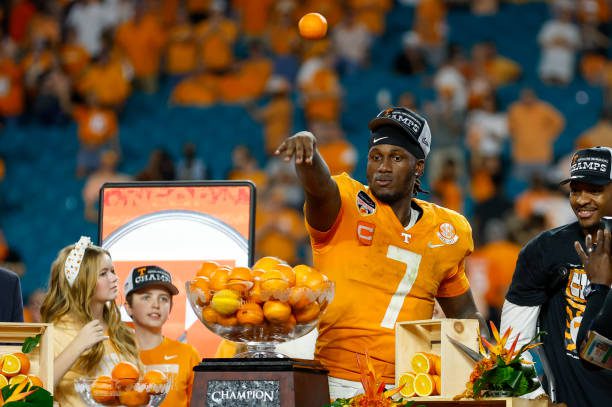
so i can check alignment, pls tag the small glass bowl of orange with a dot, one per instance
(261, 306)
(105, 391)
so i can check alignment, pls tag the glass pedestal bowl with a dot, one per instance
(259, 317)
(139, 394)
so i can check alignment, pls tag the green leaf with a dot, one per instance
(40, 398)
(522, 387)
(30, 343)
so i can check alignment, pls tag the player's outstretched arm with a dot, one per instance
(321, 191)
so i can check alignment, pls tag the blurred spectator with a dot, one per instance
(53, 95)
(217, 36)
(496, 260)
(450, 83)
(98, 130)
(560, 40)
(339, 154)
(277, 115)
(282, 174)
(159, 168)
(245, 167)
(11, 82)
(90, 18)
(14, 261)
(44, 25)
(11, 302)
(108, 80)
(410, 61)
(73, 56)
(598, 135)
(35, 64)
(190, 166)
(283, 40)
(142, 40)
(543, 198)
(351, 43)
(534, 126)
(31, 310)
(199, 89)
(107, 172)
(446, 189)
(197, 9)
(20, 16)
(182, 49)
(371, 13)
(484, 7)
(430, 24)
(407, 100)
(253, 17)
(280, 228)
(321, 89)
(486, 130)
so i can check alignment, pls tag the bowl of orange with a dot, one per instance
(125, 386)
(260, 306)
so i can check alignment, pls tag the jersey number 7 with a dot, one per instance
(412, 261)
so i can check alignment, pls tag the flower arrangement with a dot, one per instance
(23, 395)
(374, 394)
(501, 370)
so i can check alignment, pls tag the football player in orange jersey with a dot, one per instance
(390, 255)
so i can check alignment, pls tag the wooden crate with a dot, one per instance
(431, 336)
(12, 336)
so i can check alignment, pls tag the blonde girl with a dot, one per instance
(89, 338)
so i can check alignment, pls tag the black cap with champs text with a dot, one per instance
(410, 123)
(146, 276)
(591, 166)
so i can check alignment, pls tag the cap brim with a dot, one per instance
(586, 180)
(379, 121)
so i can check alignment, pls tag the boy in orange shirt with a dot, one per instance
(148, 294)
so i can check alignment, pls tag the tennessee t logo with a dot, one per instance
(365, 232)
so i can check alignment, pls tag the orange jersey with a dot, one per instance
(177, 360)
(384, 273)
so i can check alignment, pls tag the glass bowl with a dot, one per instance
(259, 314)
(139, 394)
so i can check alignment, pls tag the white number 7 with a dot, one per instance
(412, 261)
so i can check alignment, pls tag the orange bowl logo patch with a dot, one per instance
(447, 234)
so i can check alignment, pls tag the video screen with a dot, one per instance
(177, 226)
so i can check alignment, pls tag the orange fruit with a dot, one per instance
(255, 294)
(315, 281)
(276, 312)
(240, 279)
(35, 380)
(218, 278)
(289, 324)
(207, 268)
(312, 26)
(273, 280)
(267, 263)
(250, 313)
(3, 381)
(154, 379)
(424, 385)
(25, 362)
(201, 287)
(407, 380)
(11, 365)
(309, 313)
(103, 390)
(438, 383)
(133, 398)
(227, 320)
(287, 271)
(437, 363)
(299, 297)
(422, 363)
(301, 272)
(17, 379)
(125, 374)
(210, 315)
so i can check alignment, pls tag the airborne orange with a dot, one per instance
(312, 26)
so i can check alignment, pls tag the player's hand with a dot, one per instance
(597, 259)
(301, 146)
(89, 335)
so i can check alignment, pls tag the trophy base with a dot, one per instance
(238, 382)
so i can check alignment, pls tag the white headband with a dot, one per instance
(74, 259)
